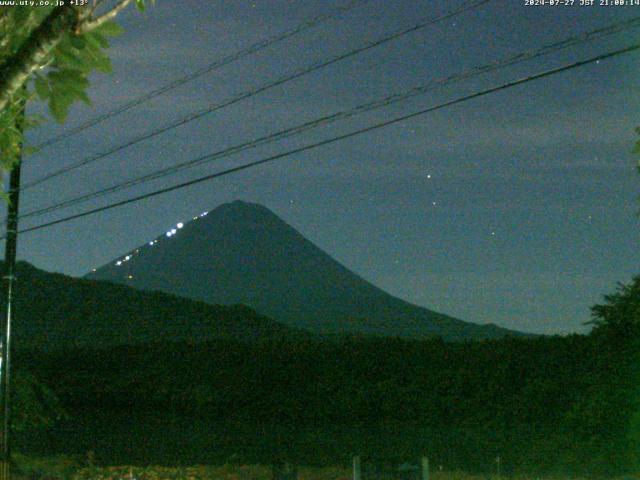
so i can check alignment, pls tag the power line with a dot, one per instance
(221, 62)
(341, 115)
(469, 5)
(338, 138)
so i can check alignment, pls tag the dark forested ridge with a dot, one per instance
(56, 311)
(176, 381)
(242, 253)
(547, 404)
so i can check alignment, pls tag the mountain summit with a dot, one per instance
(242, 253)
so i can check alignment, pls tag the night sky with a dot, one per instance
(518, 208)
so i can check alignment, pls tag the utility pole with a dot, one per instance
(11, 244)
(357, 468)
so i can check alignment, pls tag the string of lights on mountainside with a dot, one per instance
(245, 254)
(168, 234)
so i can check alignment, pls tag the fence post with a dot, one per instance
(424, 464)
(357, 473)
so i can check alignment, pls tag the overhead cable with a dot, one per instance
(332, 140)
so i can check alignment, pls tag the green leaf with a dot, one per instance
(58, 109)
(78, 41)
(110, 29)
(94, 58)
(84, 97)
(65, 77)
(140, 5)
(96, 41)
(66, 86)
(42, 87)
(68, 59)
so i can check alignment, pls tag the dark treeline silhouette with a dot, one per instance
(54, 311)
(546, 404)
(152, 378)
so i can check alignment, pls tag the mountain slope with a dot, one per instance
(243, 253)
(55, 311)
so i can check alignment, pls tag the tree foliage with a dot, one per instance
(545, 405)
(617, 324)
(47, 54)
(620, 311)
(37, 406)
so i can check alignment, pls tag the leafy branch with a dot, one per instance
(52, 51)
